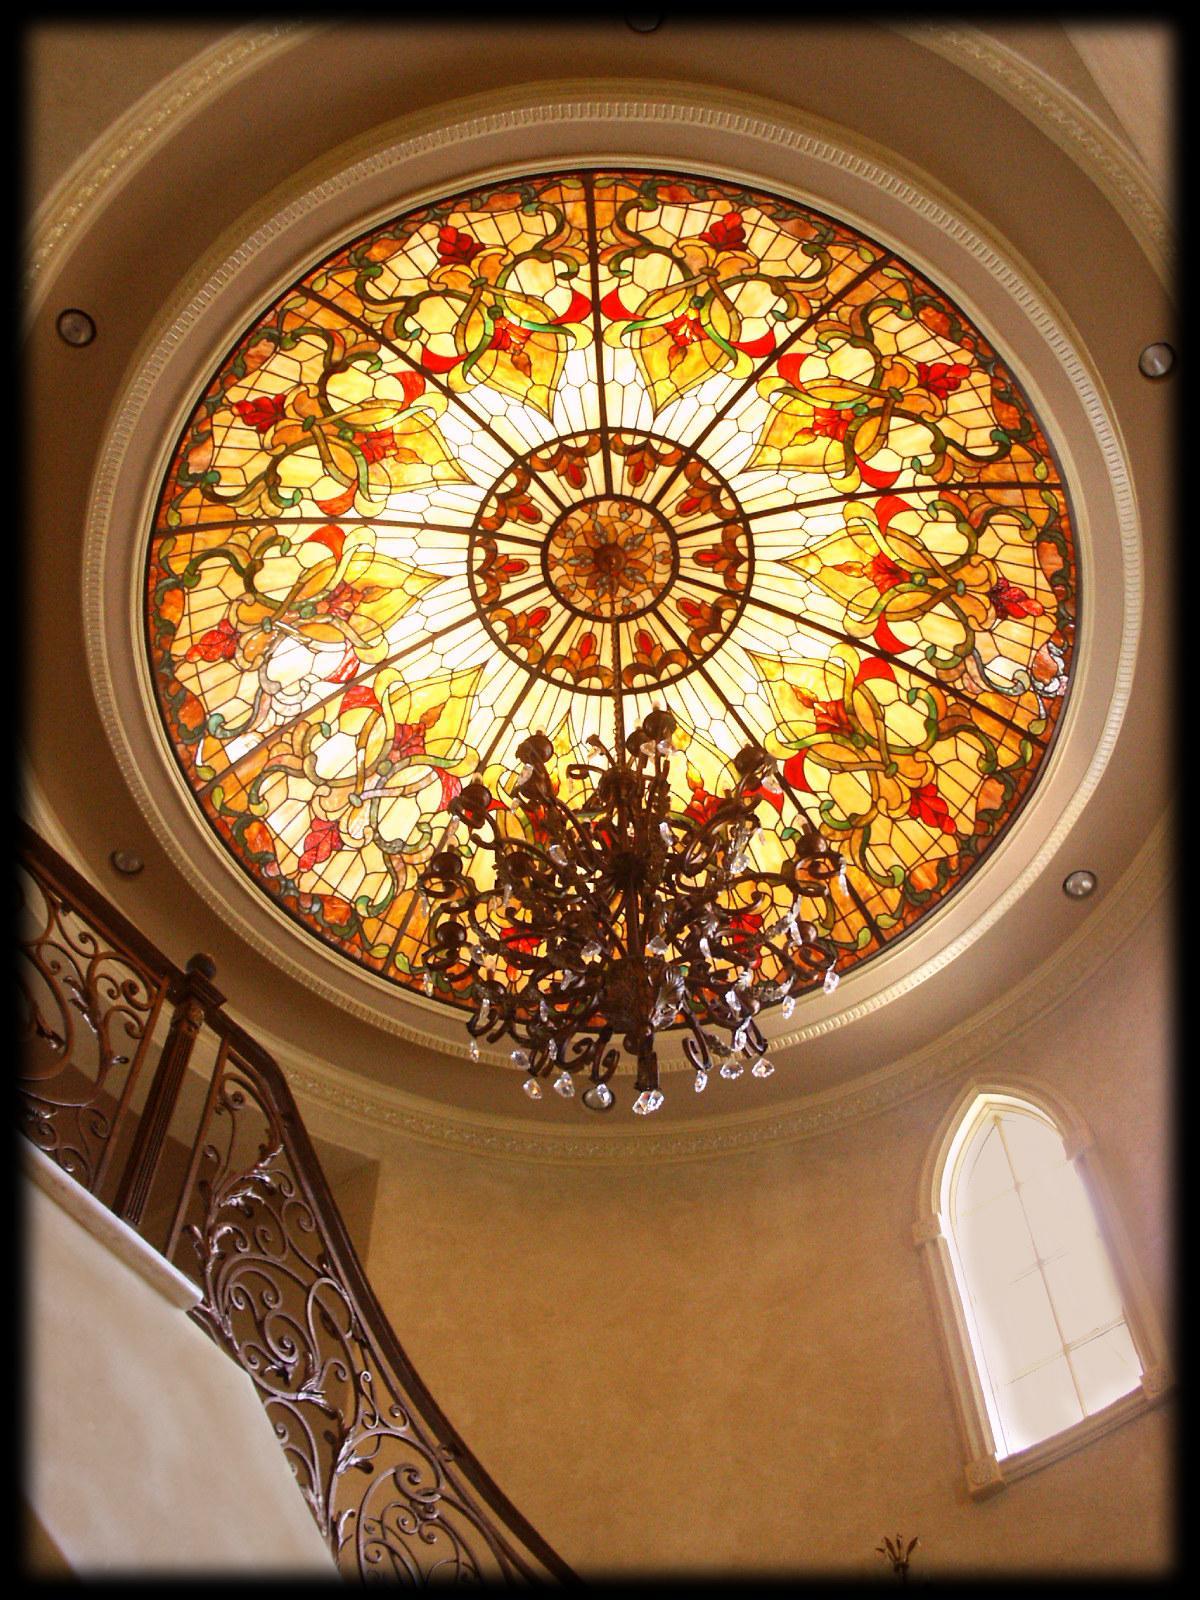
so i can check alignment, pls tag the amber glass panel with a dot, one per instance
(601, 436)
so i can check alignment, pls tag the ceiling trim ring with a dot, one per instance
(728, 136)
(133, 138)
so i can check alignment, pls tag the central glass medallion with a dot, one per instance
(632, 521)
(610, 558)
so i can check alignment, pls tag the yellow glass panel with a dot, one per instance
(590, 434)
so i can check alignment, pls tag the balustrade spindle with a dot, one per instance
(199, 995)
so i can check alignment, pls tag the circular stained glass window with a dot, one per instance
(592, 435)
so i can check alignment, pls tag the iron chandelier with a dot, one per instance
(620, 917)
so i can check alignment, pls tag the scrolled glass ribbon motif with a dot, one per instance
(597, 432)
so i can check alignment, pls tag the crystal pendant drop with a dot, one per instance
(658, 946)
(485, 1011)
(591, 952)
(557, 854)
(649, 1100)
(564, 1085)
(520, 1058)
(665, 829)
(598, 1097)
(731, 1069)
(474, 1051)
(762, 1068)
(532, 1088)
(427, 983)
(831, 980)
(701, 1081)
(788, 1006)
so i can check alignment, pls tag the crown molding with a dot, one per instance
(1063, 117)
(132, 140)
(956, 1056)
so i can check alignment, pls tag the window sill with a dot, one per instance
(986, 1476)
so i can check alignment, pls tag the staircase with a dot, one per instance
(136, 1084)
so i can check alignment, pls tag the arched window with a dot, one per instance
(1050, 1336)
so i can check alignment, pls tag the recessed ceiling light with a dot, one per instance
(127, 861)
(641, 22)
(75, 327)
(1156, 360)
(1078, 885)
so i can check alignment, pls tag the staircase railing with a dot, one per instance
(204, 1153)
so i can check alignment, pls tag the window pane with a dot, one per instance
(994, 1244)
(986, 1171)
(1039, 1404)
(1082, 1290)
(1060, 1214)
(1033, 1146)
(1106, 1368)
(1046, 1320)
(1018, 1328)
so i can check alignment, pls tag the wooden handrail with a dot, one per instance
(392, 1484)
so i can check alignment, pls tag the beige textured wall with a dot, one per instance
(735, 1362)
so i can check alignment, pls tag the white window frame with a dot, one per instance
(985, 1471)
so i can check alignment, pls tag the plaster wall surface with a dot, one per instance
(735, 1363)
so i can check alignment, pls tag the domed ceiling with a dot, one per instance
(591, 434)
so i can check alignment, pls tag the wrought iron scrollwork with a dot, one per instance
(87, 1010)
(383, 1490)
(392, 1487)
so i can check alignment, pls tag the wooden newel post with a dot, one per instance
(194, 998)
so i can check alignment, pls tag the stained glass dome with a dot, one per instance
(600, 434)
